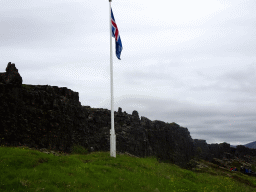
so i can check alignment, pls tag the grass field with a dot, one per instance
(23, 169)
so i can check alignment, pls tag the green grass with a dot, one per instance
(23, 169)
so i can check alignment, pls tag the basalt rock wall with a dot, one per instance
(141, 136)
(221, 151)
(44, 116)
(39, 116)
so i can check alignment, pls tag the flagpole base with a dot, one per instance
(112, 144)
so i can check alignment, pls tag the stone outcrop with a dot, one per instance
(11, 76)
(141, 137)
(38, 116)
(201, 149)
(43, 116)
(223, 152)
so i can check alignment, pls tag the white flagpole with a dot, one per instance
(112, 130)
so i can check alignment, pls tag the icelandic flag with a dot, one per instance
(116, 35)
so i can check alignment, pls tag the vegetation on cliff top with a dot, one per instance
(23, 169)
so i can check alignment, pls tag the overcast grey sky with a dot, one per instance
(189, 62)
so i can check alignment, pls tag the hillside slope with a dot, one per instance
(23, 169)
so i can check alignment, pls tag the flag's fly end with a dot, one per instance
(116, 35)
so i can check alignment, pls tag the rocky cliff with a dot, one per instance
(223, 151)
(44, 116)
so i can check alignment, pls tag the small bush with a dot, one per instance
(26, 86)
(77, 149)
